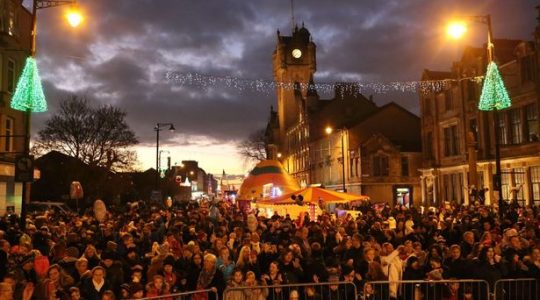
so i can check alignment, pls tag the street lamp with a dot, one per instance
(74, 16)
(494, 96)
(29, 96)
(158, 128)
(329, 131)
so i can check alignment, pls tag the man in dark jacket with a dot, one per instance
(114, 271)
(456, 266)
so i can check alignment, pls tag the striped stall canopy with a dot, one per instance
(268, 179)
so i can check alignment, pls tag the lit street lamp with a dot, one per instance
(29, 96)
(158, 128)
(329, 131)
(494, 95)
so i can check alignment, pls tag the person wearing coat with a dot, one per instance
(489, 267)
(392, 267)
(94, 287)
(210, 277)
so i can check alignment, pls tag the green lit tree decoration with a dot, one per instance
(494, 95)
(29, 93)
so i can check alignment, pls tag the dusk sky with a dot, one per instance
(124, 49)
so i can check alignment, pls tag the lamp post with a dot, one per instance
(328, 131)
(158, 128)
(29, 96)
(494, 95)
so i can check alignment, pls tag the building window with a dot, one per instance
(380, 165)
(453, 187)
(519, 182)
(8, 134)
(527, 68)
(535, 181)
(513, 179)
(503, 134)
(531, 115)
(471, 90)
(451, 141)
(404, 166)
(10, 75)
(448, 105)
(8, 16)
(515, 126)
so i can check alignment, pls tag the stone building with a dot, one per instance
(296, 135)
(15, 40)
(459, 140)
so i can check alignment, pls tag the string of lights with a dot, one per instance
(269, 86)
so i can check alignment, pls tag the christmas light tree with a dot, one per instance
(29, 92)
(494, 95)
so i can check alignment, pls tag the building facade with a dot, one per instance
(459, 140)
(296, 134)
(15, 40)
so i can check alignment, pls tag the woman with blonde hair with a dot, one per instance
(210, 277)
(90, 253)
(243, 256)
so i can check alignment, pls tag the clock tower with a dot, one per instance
(293, 64)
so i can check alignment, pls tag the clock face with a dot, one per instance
(296, 53)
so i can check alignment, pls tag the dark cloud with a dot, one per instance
(122, 52)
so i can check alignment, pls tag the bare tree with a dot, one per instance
(97, 136)
(253, 148)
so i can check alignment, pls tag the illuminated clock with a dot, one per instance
(296, 53)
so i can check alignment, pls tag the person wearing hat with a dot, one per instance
(169, 275)
(113, 269)
(68, 262)
(125, 291)
(137, 273)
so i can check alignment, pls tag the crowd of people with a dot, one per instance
(140, 250)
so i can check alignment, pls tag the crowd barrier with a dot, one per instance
(426, 290)
(328, 290)
(192, 295)
(504, 289)
(516, 289)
